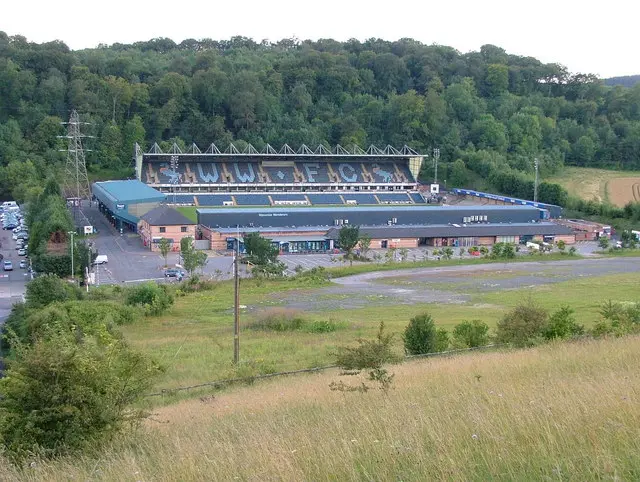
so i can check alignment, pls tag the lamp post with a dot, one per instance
(535, 184)
(72, 234)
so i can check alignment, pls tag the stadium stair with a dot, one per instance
(226, 173)
(377, 199)
(366, 175)
(233, 198)
(195, 201)
(333, 177)
(400, 176)
(307, 199)
(189, 175)
(152, 176)
(264, 175)
(270, 200)
(297, 175)
(342, 199)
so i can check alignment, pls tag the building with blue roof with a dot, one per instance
(124, 202)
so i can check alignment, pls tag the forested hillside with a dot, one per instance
(625, 80)
(490, 113)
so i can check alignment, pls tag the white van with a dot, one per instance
(101, 259)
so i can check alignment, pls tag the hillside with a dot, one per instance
(625, 80)
(602, 185)
(553, 412)
(488, 111)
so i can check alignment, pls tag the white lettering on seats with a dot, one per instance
(212, 177)
(347, 178)
(245, 176)
(307, 167)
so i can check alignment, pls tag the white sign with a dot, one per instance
(88, 230)
(435, 188)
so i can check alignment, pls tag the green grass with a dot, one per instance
(194, 339)
(566, 411)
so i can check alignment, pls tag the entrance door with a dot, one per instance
(384, 243)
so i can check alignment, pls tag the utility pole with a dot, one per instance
(236, 311)
(174, 167)
(76, 181)
(436, 156)
(535, 184)
(72, 234)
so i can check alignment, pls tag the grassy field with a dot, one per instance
(557, 412)
(195, 338)
(600, 184)
(189, 211)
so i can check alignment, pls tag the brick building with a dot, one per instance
(165, 222)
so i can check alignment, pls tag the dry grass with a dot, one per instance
(597, 184)
(624, 190)
(561, 412)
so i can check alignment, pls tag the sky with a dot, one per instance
(584, 35)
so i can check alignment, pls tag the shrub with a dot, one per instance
(59, 396)
(47, 289)
(442, 340)
(322, 326)
(317, 274)
(368, 354)
(470, 334)
(421, 337)
(154, 298)
(278, 319)
(562, 324)
(522, 325)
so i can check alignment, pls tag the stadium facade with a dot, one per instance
(300, 198)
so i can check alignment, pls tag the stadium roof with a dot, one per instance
(359, 208)
(454, 231)
(166, 216)
(286, 150)
(129, 191)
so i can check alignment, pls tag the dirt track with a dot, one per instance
(455, 284)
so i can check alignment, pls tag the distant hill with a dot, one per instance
(625, 80)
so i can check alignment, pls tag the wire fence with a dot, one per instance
(230, 381)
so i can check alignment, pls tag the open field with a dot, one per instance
(557, 412)
(600, 184)
(194, 339)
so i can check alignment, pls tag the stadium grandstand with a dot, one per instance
(283, 177)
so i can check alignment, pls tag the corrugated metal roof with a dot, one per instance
(130, 190)
(163, 215)
(393, 207)
(470, 230)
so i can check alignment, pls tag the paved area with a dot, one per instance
(454, 284)
(12, 283)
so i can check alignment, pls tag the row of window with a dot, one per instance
(183, 229)
(474, 219)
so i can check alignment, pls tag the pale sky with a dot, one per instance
(585, 35)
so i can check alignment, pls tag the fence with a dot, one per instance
(229, 381)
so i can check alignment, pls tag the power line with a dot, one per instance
(76, 181)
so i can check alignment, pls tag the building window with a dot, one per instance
(163, 229)
(183, 229)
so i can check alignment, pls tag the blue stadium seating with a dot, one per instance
(394, 197)
(180, 198)
(288, 197)
(324, 198)
(213, 199)
(417, 197)
(360, 198)
(280, 175)
(252, 200)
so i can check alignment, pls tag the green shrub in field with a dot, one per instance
(470, 334)
(562, 324)
(321, 326)
(421, 337)
(618, 319)
(154, 298)
(63, 393)
(524, 325)
(442, 340)
(278, 319)
(47, 289)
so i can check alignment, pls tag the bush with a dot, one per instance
(523, 325)
(368, 354)
(420, 336)
(278, 319)
(59, 396)
(48, 288)
(323, 326)
(618, 319)
(442, 340)
(154, 298)
(562, 324)
(317, 274)
(470, 334)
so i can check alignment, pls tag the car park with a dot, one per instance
(7, 266)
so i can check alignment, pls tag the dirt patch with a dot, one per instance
(623, 190)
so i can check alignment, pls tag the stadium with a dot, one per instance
(300, 198)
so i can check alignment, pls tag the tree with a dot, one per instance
(59, 396)
(348, 239)
(47, 289)
(561, 245)
(165, 246)
(603, 242)
(470, 334)
(365, 244)
(562, 324)
(192, 259)
(260, 251)
(523, 325)
(420, 336)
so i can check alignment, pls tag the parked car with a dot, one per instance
(23, 264)
(7, 266)
(22, 252)
(174, 273)
(101, 259)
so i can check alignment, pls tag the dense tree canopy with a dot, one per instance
(491, 110)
